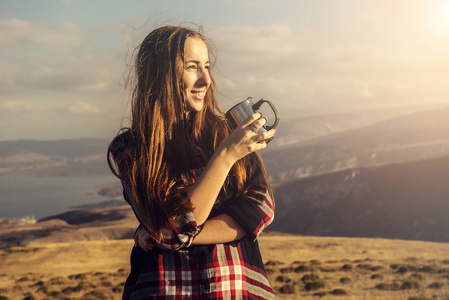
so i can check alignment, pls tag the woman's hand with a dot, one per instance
(245, 139)
(143, 239)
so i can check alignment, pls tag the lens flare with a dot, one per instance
(444, 13)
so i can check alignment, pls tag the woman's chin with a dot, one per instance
(197, 107)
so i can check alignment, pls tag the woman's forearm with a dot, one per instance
(219, 230)
(206, 188)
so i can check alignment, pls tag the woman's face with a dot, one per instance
(196, 77)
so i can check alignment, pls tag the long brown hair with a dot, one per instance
(160, 138)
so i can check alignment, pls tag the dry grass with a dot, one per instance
(78, 270)
(355, 268)
(298, 267)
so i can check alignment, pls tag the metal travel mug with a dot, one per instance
(241, 111)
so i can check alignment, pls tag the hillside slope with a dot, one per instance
(411, 137)
(293, 131)
(54, 158)
(401, 201)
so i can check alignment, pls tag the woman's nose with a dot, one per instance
(203, 77)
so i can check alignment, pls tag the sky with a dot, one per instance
(64, 62)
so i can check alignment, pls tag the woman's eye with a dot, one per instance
(191, 67)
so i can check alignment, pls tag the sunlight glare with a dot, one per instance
(444, 13)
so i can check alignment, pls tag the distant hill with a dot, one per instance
(302, 148)
(67, 148)
(54, 158)
(294, 131)
(400, 201)
(416, 128)
(406, 138)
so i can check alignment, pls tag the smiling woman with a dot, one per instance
(198, 189)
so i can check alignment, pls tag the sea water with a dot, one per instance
(22, 196)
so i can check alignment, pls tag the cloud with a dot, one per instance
(252, 4)
(276, 61)
(8, 74)
(81, 108)
(305, 68)
(50, 119)
(16, 32)
(60, 76)
(72, 76)
(67, 2)
(48, 107)
(18, 106)
(54, 58)
(275, 39)
(53, 79)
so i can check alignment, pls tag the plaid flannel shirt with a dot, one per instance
(175, 269)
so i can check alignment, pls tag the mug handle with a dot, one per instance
(259, 103)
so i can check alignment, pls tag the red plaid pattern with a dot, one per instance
(175, 269)
(216, 272)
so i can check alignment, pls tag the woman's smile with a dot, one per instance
(199, 95)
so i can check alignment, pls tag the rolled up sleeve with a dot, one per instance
(171, 240)
(254, 210)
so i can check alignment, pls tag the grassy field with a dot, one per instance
(298, 267)
(355, 268)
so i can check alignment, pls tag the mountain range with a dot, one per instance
(379, 175)
(71, 157)
(404, 138)
(399, 201)
(326, 144)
